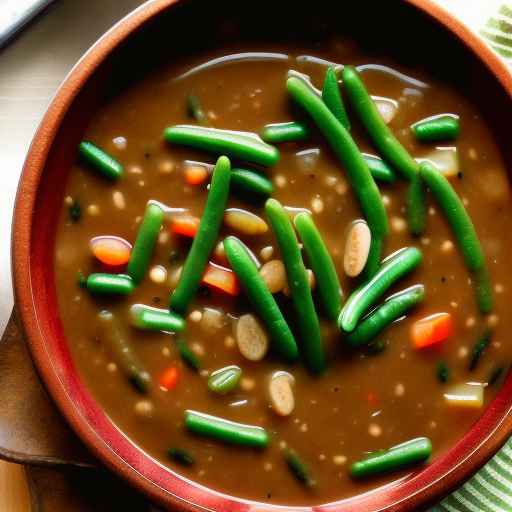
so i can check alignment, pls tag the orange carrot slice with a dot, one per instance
(169, 378)
(111, 250)
(186, 225)
(431, 330)
(195, 175)
(221, 278)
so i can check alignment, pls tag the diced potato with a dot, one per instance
(466, 395)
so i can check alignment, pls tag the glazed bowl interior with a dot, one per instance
(396, 31)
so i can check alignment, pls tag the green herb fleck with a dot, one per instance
(495, 375)
(174, 256)
(479, 349)
(298, 469)
(74, 211)
(81, 280)
(181, 456)
(442, 372)
(376, 347)
(195, 110)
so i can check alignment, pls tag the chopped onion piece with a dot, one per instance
(387, 108)
(467, 395)
(445, 160)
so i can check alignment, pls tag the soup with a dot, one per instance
(326, 305)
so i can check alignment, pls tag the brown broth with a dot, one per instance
(362, 403)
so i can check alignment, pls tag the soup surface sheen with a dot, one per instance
(363, 402)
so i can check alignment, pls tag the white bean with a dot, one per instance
(245, 222)
(274, 275)
(251, 338)
(357, 248)
(281, 393)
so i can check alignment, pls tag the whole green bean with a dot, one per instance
(251, 183)
(105, 164)
(292, 131)
(206, 237)
(307, 319)
(224, 380)
(195, 110)
(463, 230)
(379, 169)
(400, 456)
(332, 97)
(110, 284)
(373, 260)
(113, 336)
(328, 284)
(225, 430)
(416, 206)
(437, 128)
(348, 153)
(145, 242)
(393, 268)
(262, 300)
(154, 319)
(241, 145)
(186, 354)
(394, 307)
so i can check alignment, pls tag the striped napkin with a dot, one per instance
(490, 490)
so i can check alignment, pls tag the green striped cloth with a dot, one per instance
(490, 490)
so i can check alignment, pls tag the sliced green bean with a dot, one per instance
(224, 380)
(206, 237)
(328, 284)
(225, 430)
(292, 131)
(307, 319)
(195, 110)
(262, 300)
(379, 169)
(394, 307)
(241, 145)
(110, 284)
(479, 349)
(187, 356)
(145, 242)
(463, 230)
(416, 206)
(404, 455)
(181, 457)
(251, 183)
(332, 97)
(348, 153)
(392, 269)
(298, 469)
(154, 319)
(115, 339)
(437, 128)
(102, 162)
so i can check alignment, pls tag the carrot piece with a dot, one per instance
(112, 251)
(431, 330)
(169, 378)
(195, 175)
(372, 398)
(221, 278)
(186, 225)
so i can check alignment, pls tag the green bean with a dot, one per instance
(379, 169)
(479, 348)
(114, 337)
(393, 268)
(392, 151)
(328, 284)
(463, 230)
(400, 456)
(110, 284)
(206, 237)
(194, 109)
(437, 128)
(102, 162)
(224, 380)
(251, 183)
(332, 97)
(348, 153)
(225, 430)
(241, 145)
(394, 307)
(373, 260)
(154, 319)
(262, 300)
(416, 206)
(298, 469)
(307, 319)
(187, 356)
(386, 143)
(145, 242)
(292, 131)
(181, 456)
